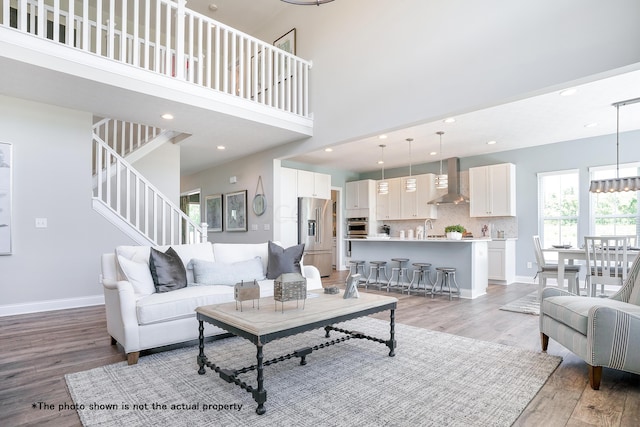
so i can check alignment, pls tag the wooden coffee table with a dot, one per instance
(266, 324)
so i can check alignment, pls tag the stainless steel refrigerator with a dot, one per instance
(315, 231)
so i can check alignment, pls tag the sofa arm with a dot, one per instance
(613, 337)
(122, 320)
(554, 292)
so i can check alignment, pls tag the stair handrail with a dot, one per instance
(126, 141)
(104, 175)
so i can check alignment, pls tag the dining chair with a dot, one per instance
(607, 261)
(550, 270)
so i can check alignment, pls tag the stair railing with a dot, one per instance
(129, 196)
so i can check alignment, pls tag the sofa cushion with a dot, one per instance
(167, 270)
(234, 252)
(138, 274)
(283, 260)
(181, 303)
(221, 273)
(573, 311)
(186, 253)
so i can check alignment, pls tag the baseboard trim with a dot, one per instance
(50, 305)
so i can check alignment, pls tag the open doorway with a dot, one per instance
(190, 205)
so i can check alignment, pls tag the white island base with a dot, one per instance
(468, 256)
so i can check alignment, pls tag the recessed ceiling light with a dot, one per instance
(591, 125)
(167, 116)
(449, 120)
(213, 7)
(491, 142)
(221, 147)
(568, 92)
(433, 153)
(382, 137)
(328, 150)
(380, 162)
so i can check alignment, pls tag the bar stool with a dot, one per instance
(355, 267)
(401, 274)
(447, 276)
(422, 271)
(376, 270)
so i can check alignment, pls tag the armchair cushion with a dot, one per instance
(573, 311)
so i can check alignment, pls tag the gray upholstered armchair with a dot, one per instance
(602, 331)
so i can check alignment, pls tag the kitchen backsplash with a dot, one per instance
(450, 214)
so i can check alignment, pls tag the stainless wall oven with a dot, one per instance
(357, 228)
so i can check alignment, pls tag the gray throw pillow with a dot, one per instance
(167, 270)
(220, 273)
(283, 260)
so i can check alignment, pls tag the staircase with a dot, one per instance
(128, 200)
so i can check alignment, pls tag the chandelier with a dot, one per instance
(617, 184)
(383, 186)
(442, 180)
(307, 3)
(410, 184)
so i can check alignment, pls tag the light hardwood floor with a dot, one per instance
(37, 350)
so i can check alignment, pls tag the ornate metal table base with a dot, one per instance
(260, 394)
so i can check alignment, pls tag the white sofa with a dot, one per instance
(140, 318)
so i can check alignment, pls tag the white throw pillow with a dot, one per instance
(220, 273)
(138, 274)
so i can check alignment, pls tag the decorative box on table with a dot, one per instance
(290, 286)
(247, 291)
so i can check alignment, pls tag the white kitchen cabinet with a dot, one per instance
(492, 190)
(414, 205)
(360, 199)
(388, 205)
(312, 184)
(502, 260)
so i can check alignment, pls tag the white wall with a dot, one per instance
(51, 179)
(380, 65)
(162, 168)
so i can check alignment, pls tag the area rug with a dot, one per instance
(528, 304)
(434, 379)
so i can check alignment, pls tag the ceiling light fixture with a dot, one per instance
(617, 184)
(307, 3)
(410, 184)
(591, 125)
(383, 186)
(328, 150)
(442, 180)
(382, 137)
(568, 92)
(449, 120)
(167, 116)
(221, 147)
(491, 142)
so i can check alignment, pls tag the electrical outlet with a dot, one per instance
(529, 264)
(41, 222)
(267, 227)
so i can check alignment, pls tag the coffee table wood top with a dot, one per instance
(271, 319)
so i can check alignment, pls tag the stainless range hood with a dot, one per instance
(453, 190)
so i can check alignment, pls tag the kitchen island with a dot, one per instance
(468, 256)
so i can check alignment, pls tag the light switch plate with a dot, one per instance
(254, 227)
(41, 222)
(267, 227)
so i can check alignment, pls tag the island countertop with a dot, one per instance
(468, 256)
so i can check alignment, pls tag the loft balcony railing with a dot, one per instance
(167, 38)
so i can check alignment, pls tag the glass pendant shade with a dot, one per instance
(617, 184)
(410, 184)
(383, 186)
(442, 181)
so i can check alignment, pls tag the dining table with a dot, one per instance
(571, 254)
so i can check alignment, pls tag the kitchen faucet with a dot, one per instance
(428, 225)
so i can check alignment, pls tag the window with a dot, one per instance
(617, 213)
(558, 207)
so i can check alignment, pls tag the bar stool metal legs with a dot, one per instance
(421, 273)
(376, 270)
(356, 267)
(401, 274)
(447, 282)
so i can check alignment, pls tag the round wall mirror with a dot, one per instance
(259, 204)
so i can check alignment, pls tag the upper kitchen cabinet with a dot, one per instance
(492, 190)
(312, 184)
(388, 205)
(360, 198)
(414, 205)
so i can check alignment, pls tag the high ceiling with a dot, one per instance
(542, 119)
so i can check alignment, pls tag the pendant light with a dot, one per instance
(442, 180)
(410, 183)
(383, 186)
(617, 184)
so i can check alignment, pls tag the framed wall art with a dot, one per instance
(6, 166)
(235, 217)
(213, 212)
(287, 42)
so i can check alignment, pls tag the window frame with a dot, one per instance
(541, 216)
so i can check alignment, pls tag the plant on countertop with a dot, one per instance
(454, 228)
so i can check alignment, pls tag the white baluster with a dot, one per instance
(168, 56)
(71, 25)
(86, 26)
